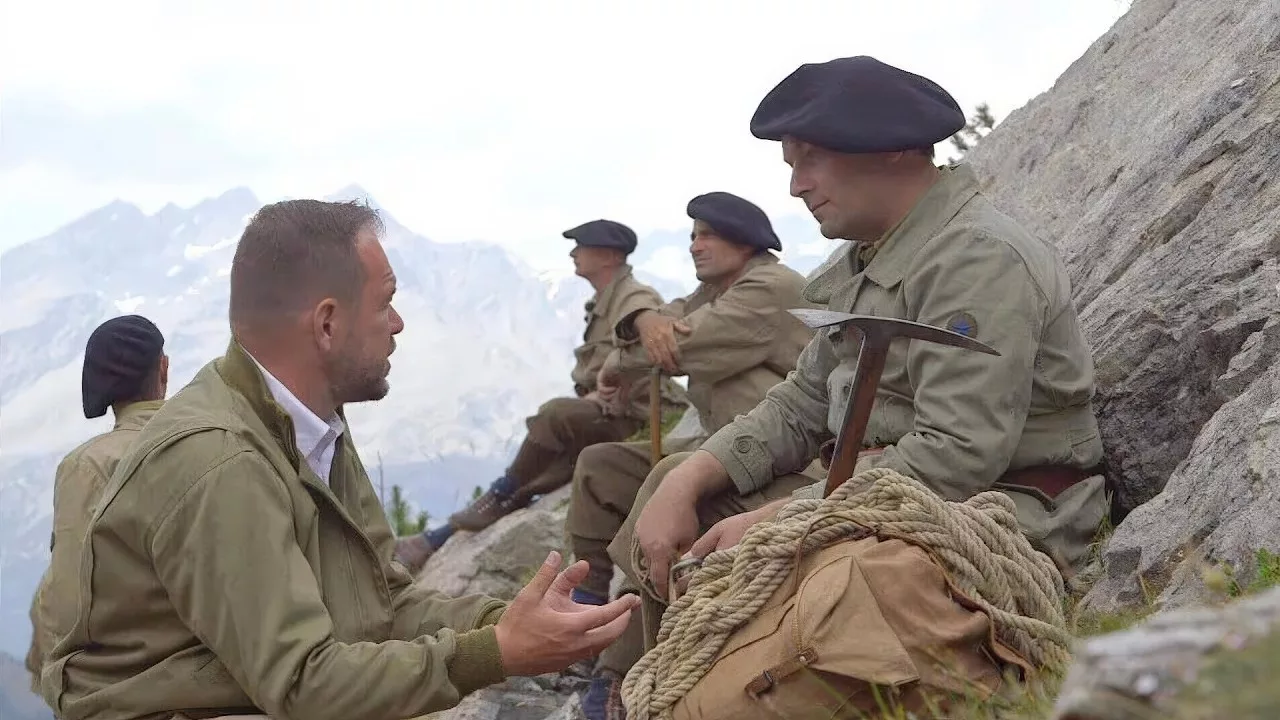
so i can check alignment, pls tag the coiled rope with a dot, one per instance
(978, 542)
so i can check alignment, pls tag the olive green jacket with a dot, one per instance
(77, 485)
(221, 576)
(741, 341)
(954, 419)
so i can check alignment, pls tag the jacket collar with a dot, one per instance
(240, 373)
(956, 186)
(135, 415)
(596, 306)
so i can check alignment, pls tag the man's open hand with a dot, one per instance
(544, 630)
(658, 336)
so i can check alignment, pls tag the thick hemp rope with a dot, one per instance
(978, 542)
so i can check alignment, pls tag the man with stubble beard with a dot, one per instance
(240, 564)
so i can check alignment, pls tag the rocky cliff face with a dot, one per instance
(1152, 165)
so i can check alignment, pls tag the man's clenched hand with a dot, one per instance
(544, 630)
(658, 336)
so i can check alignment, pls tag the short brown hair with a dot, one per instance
(296, 252)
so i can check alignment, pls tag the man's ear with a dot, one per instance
(324, 324)
(164, 376)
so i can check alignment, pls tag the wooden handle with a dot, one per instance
(655, 415)
(856, 416)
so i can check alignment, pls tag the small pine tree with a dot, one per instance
(979, 124)
(476, 492)
(398, 514)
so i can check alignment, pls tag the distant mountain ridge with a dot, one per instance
(17, 702)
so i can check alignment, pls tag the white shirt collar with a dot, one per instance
(316, 438)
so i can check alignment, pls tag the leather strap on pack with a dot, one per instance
(765, 681)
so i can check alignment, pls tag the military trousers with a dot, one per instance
(558, 432)
(642, 633)
(605, 484)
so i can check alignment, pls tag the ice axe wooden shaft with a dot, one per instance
(877, 334)
(655, 415)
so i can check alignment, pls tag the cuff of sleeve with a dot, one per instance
(632, 360)
(746, 459)
(477, 662)
(491, 616)
(625, 331)
(809, 492)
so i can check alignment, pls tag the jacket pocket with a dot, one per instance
(53, 682)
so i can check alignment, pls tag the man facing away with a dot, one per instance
(125, 369)
(240, 563)
(925, 245)
(734, 339)
(563, 426)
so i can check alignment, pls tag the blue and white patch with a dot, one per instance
(964, 324)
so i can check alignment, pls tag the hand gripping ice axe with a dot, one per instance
(877, 333)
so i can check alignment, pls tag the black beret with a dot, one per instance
(604, 233)
(735, 219)
(119, 356)
(858, 105)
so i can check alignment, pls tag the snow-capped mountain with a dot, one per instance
(486, 340)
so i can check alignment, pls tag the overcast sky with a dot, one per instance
(498, 120)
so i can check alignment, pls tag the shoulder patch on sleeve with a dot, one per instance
(963, 323)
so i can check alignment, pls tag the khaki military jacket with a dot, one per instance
(954, 419)
(742, 340)
(624, 296)
(221, 576)
(77, 485)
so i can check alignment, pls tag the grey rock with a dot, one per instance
(1169, 665)
(502, 558)
(1222, 504)
(542, 698)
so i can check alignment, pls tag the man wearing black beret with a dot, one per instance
(563, 426)
(125, 369)
(924, 245)
(734, 339)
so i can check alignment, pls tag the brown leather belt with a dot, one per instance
(1052, 480)
(828, 451)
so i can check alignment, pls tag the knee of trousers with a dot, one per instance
(583, 504)
(557, 419)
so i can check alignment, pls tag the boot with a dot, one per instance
(603, 699)
(502, 498)
(413, 551)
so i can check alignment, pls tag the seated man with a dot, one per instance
(733, 338)
(240, 562)
(562, 427)
(925, 245)
(125, 369)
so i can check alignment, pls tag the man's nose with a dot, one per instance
(799, 185)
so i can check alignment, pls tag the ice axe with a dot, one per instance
(655, 415)
(877, 334)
